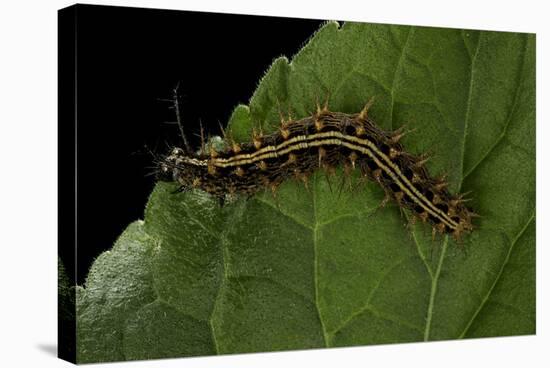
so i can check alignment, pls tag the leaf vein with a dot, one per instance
(368, 305)
(433, 291)
(225, 275)
(395, 73)
(385, 316)
(497, 278)
(295, 219)
(468, 106)
(508, 120)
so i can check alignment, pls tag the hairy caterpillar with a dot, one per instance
(324, 140)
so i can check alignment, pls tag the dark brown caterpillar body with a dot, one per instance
(324, 140)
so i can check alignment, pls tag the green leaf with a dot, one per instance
(66, 310)
(118, 285)
(325, 266)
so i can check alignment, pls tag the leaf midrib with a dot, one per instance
(435, 277)
(433, 289)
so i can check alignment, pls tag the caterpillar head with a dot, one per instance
(178, 166)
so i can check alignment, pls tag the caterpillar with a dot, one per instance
(323, 140)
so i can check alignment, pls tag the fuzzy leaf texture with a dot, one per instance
(324, 266)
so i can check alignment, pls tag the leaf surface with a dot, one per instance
(325, 266)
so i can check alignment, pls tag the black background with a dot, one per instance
(128, 61)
